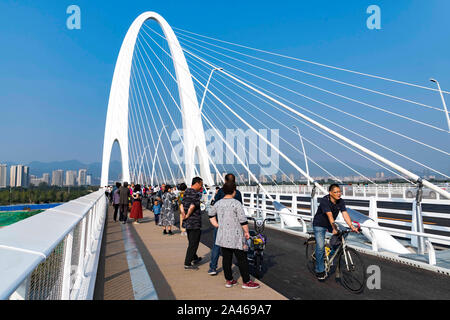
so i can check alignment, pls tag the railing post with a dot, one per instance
(82, 254)
(252, 204)
(431, 252)
(374, 241)
(373, 214)
(264, 206)
(417, 218)
(294, 203)
(65, 294)
(313, 202)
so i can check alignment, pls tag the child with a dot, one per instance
(156, 211)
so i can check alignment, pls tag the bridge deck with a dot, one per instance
(138, 260)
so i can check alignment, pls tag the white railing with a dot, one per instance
(403, 191)
(400, 219)
(428, 237)
(54, 255)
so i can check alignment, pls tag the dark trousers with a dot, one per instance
(193, 236)
(157, 219)
(227, 260)
(116, 210)
(123, 212)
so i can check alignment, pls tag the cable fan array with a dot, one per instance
(254, 104)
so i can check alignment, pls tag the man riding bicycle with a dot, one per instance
(324, 221)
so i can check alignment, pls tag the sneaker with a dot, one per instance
(230, 283)
(212, 272)
(321, 276)
(197, 261)
(190, 267)
(170, 232)
(250, 285)
(164, 232)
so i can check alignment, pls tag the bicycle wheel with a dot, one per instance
(258, 266)
(311, 256)
(352, 270)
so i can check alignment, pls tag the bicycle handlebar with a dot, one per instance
(353, 222)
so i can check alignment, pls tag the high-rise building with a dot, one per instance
(35, 181)
(71, 178)
(19, 176)
(46, 178)
(3, 168)
(57, 178)
(82, 177)
(89, 180)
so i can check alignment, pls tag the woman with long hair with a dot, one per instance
(136, 209)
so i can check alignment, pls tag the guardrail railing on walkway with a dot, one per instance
(54, 255)
(427, 236)
(396, 214)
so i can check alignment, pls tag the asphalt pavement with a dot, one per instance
(285, 271)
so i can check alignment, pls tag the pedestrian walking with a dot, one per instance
(116, 200)
(156, 210)
(136, 209)
(215, 250)
(124, 194)
(182, 187)
(232, 234)
(169, 206)
(192, 221)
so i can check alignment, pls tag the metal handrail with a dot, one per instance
(70, 215)
(427, 236)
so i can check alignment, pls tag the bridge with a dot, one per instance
(183, 105)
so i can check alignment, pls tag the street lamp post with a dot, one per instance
(156, 152)
(443, 102)
(206, 87)
(304, 153)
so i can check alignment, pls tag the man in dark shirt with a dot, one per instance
(192, 221)
(124, 195)
(328, 210)
(215, 251)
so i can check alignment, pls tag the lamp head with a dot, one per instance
(433, 80)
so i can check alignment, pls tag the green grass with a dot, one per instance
(9, 217)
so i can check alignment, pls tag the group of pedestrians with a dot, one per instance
(126, 198)
(230, 234)
(226, 215)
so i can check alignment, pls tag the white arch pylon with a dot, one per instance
(116, 128)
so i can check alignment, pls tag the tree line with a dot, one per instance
(43, 194)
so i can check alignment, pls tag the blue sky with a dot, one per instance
(55, 82)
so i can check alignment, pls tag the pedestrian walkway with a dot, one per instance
(128, 251)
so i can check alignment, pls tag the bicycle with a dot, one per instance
(350, 266)
(257, 244)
